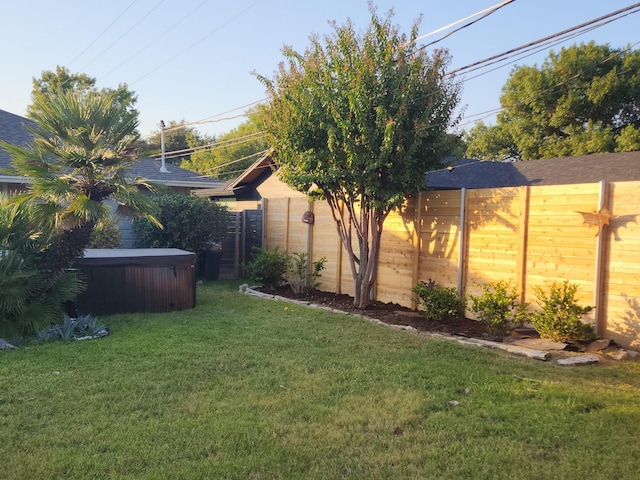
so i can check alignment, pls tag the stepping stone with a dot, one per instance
(581, 360)
(539, 344)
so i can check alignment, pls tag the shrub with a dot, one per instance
(190, 223)
(106, 234)
(268, 267)
(439, 303)
(28, 300)
(300, 275)
(559, 319)
(498, 307)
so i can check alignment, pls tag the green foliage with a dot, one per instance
(582, 100)
(79, 157)
(106, 234)
(560, 317)
(498, 307)
(232, 153)
(85, 326)
(190, 223)
(177, 138)
(268, 267)
(360, 118)
(29, 300)
(301, 276)
(439, 303)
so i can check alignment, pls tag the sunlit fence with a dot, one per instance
(530, 236)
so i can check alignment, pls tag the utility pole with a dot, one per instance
(163, 167)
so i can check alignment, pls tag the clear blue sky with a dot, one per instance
(192, 59)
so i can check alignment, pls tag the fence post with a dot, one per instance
(523, 236)
(462, 243)
(263, 204)
(601, 246)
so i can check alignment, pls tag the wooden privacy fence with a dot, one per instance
(529, 236)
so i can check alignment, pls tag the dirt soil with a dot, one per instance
(389, 313)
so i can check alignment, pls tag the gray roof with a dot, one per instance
(468, 173)
(13, 131)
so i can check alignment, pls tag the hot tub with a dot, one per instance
(137, 280)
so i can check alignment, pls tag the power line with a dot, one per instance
(549, 37)
(225, 143)
(173, 26)
(102, 33)
(488, 11)
(202, 39)
(124, 34)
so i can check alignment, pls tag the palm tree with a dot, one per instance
(79, 157)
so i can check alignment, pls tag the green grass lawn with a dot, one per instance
(248, 388)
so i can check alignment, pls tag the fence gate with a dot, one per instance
(245, 232)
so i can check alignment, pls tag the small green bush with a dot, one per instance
(498, 307)
(190, 223)
(559, 319)
(300, 275)
(268, 267)
(106, 234)
(438, 303)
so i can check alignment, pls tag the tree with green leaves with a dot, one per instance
(178, 137)
(62, 80)
(79, 157)
(232, 153)
(582, 100)
(358, 119)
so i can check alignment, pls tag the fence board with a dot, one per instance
(530, 236)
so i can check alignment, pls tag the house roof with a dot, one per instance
(468, 173)
(13, 130)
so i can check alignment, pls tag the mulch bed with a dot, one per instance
(390, 313)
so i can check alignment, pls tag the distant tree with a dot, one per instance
(62, 80)
(232, 153)
(177, 138)
(360, 118)
(583, 100)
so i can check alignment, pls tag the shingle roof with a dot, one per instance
(12, 130)
(467, 173)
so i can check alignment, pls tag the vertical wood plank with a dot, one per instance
(417, 245)
(463, 235)
(523, 235)
(287, 215)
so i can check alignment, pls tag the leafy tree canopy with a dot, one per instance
(233, 152)
(62, 80)
(360, 118)
(582, 100)
(177, 138)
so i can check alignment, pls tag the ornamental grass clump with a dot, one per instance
(560, 317)
(498, 307)
(439, 303)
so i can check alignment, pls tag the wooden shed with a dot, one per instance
(137, 280)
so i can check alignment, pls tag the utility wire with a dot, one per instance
(202, 39)
(102, 33)
(549, 37)
(124, 34)
(490, 10)
(173, 26)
